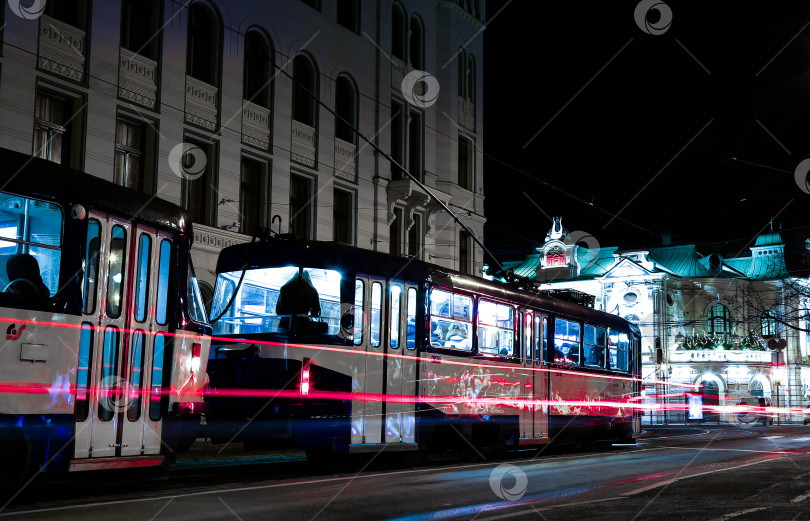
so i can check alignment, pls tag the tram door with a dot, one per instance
(125, 288)
(370, 366)
(534, 415)
(400, 369)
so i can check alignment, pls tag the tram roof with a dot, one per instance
(42, 179)
(277, 252)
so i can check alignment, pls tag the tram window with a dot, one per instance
(496, 328)
(594, 346)
(567, 336)
(278, 300)
(376, 313)
(540, 339)
(450, 320)
(411, 318)
(394, 319)
(135, 378)
(527, 337)
(156, 380)
(90, 266)
(163, 281)
(196, 308)
(108, 398)
(83, 372)
(619, 349)
(30, 246)
(115, 278)
(359, 314)
(142, 277)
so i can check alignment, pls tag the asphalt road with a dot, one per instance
(716, 473)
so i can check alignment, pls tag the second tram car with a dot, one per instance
(106, 339)
(333, 348)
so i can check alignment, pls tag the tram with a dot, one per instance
(106, 340)
(337, 349)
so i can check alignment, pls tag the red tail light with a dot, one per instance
(305, 368)
(196, 349)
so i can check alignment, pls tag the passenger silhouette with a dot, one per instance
(298, 297)
(24, 277)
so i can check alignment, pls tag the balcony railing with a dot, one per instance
(137, 79)
(201, 104)
(255, 125)
(61, 49)
(303, 149)
(345, 160)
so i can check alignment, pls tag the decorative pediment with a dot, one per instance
(407, 194)
(626, 268)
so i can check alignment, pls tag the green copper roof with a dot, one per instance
(683, 261)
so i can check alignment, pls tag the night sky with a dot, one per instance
(620, 109)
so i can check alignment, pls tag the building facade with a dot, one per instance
(731, 327)
(212, 105)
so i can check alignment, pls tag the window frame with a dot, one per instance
(554, 360)
(429, 322)
(516, 351)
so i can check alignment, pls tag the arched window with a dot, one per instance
(346, 108)
(462, 72)
(719, 321)
(398, 32)
(305, 87)
(768, 324)
(471, 78)
(258, 64)
(202, 57)
(417, 44)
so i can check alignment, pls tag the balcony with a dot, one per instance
(716, 355)
(345, 160)
(303, 148)
(466, 113)
(61, 49)
(201, 104)
(255, 125)
(137, 79)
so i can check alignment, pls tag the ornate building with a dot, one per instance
(730, 326)
(211, 105)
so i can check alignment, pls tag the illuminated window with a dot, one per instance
(594, 346)
(496, 328)
(567, 340)
(375, 330)
(450, 320)
(719, 321)
(619, 351)
(555, 257)
(395, 308)
(768, 324)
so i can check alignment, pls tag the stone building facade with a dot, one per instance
(210, 104)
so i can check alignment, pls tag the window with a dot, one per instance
(407, 141)
(135, 377)
(415, 144)
(107, 382)
(540, 336)
(397, 139)
(416, 44)
(116, 271)
(305, 86)
(83, 372)
(451, 320)
(202, 58)
(142, 276)
(619, 349)
(470, 78)
(90, 266)
(254, 196)
(58, 123)
(199, 187)
(466, 76)
(71, 12)
(346, 109)
(496, 328)
(348, 14)
(593, 349)
(343, 216)
(768, 324)
(196, 306)
(411, 318)
(465, 163)
(527, 336)
(396, 314)
(719, 321)
(301, 206)
(376, 314)
(359, 312)
(415, 237)
(397, 238)
(134, 155)
(567, 338)
(164, 267)
(398, 32)
(30, 247)
(279, 300)
(140, 27)
(156, 399)
(258, 64)
(465, 252)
